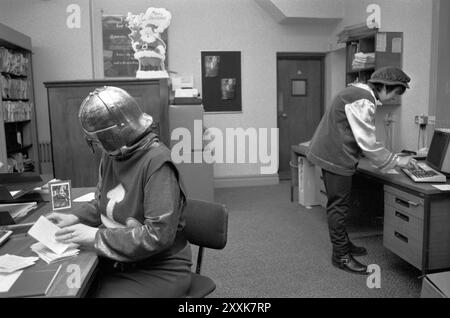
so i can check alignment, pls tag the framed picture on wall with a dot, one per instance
(221, 81)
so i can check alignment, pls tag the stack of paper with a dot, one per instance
(44, 231)
(51, 257)
(7, 280)
(11, 263)
(48, 248)
(363, 60)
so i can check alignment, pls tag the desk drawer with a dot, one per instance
(406, 223)
(402, 245)
(404, 201)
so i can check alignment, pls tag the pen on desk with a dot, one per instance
(13, 226)
(53, 279)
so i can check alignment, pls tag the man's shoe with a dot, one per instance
(357, 250)
(349, 264)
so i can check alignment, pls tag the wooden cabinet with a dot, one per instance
(414, 224)
(368, 50)
(72, 158)
(18, 132)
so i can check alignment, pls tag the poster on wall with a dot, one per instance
(118, 55)
(221, 81)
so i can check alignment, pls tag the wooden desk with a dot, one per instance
(416, 219)
(86, 261)
(416, 223)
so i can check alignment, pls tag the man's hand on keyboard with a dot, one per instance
(407, 162)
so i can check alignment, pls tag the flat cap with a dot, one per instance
(390, 76)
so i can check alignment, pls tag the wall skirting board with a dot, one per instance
(245, 181)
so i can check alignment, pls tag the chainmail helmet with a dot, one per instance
(111, 117)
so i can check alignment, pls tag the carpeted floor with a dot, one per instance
(280, 249)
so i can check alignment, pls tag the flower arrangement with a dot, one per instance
(150, 50)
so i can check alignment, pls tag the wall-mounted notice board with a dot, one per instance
(221, 81)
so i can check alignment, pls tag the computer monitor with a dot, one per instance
(438, 156)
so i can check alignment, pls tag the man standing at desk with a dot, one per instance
(347, 131)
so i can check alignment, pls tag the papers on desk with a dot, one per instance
(442, 187)
(44, 231)
(18, 210)
(86, 198)
(49, 256)
(7, 280)
(30, 283)
(11, 263)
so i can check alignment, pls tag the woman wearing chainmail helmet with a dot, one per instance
(135, 223)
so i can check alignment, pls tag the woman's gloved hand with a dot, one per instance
(62, 219)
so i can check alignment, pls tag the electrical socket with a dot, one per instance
(421, 120)
(432, 120)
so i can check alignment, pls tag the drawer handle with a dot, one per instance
(402, 216)
(405, 203)
(401, 237)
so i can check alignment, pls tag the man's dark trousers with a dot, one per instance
(339, 190)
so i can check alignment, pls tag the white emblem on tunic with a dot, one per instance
(115, 196)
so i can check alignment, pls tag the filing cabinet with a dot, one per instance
(197, 175)
(405, 231)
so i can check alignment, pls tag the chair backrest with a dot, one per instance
(206, 224)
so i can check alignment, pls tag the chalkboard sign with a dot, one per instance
(118, 55)
(221, 81)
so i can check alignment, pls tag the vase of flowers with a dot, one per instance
(148, 46)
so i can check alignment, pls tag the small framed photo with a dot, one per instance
(60, 193)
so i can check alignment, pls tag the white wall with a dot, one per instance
(334, 74)
(59, 53)
(230, 25)
(65, 54)
(242, 25)
(414, 19)
(294, 11)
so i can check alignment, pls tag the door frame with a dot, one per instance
(304, 56)
(301, 56)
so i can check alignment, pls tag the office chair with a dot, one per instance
(206, 227)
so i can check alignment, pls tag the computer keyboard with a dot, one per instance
(424, 174)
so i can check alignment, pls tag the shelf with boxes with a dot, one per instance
(368, 50)
(18, 135)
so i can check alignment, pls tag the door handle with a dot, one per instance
(402, 216)
(401, 237)
(406, 204)
(284, 115)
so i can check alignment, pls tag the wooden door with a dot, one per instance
(300, 104)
